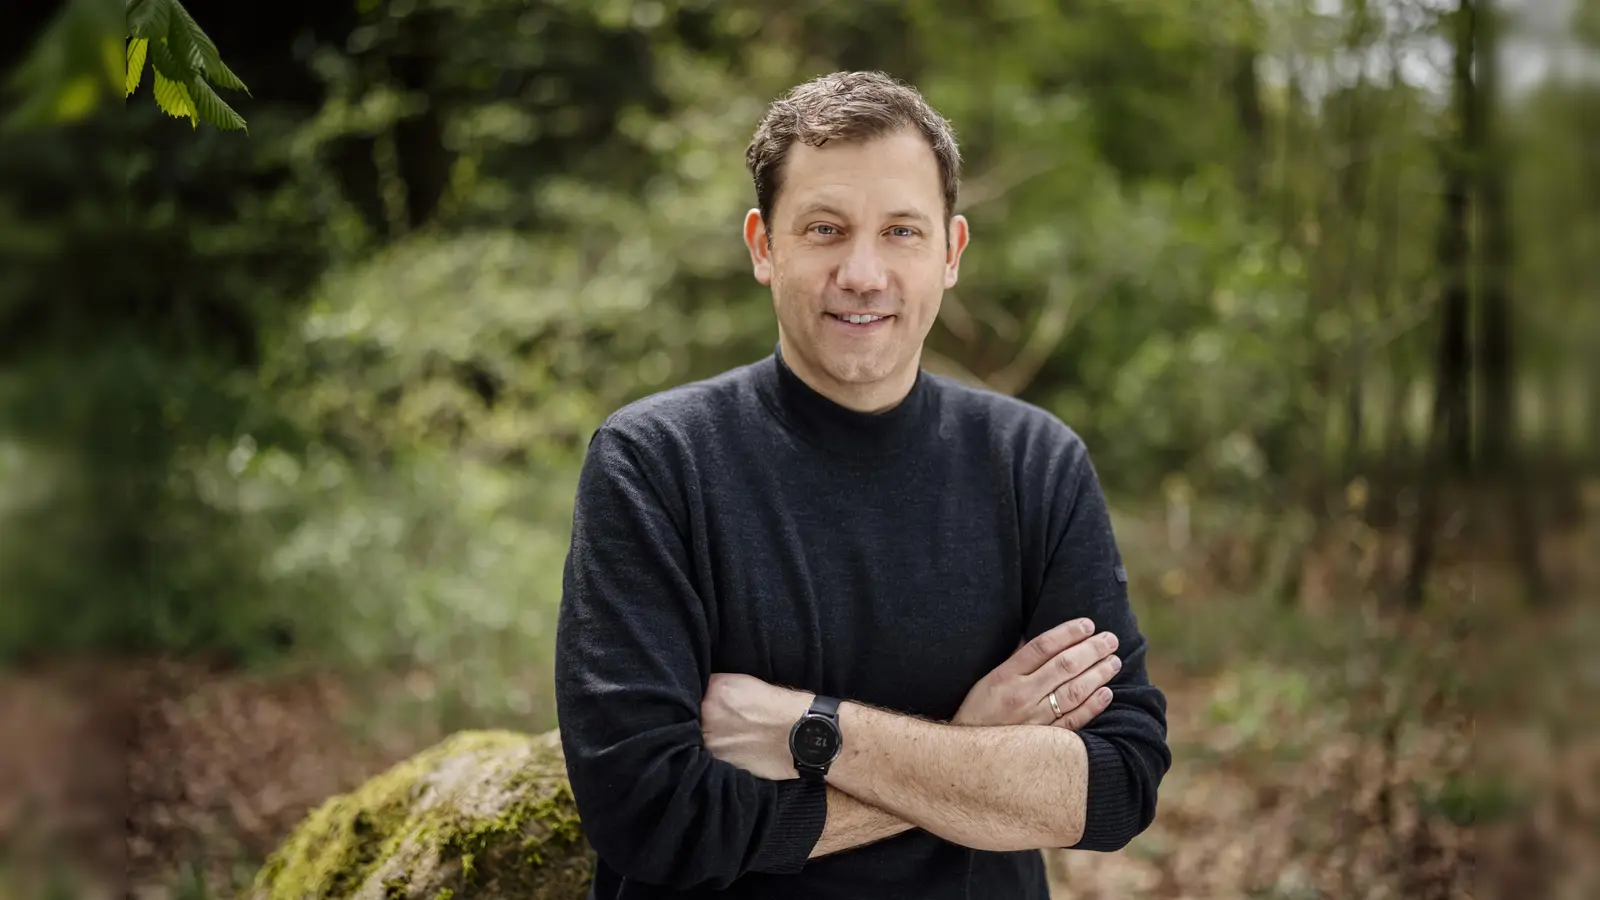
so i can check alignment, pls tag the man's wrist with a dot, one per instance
(789, 707)
(845, 771)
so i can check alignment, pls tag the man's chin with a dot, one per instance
(860, 371)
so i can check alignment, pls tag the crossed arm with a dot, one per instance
(898, 772)
(1018, 787)
(852, 823)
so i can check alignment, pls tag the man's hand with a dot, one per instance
(746, 722)
(1065, 660)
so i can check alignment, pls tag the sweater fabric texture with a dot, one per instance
(748, 524)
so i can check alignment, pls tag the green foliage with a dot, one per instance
(96, 48)
(76, 63)
(1471, 799)
(130, 321)
(368, 331)
(183, 62)
(112, 531)
(1253, 702)
(448, 565)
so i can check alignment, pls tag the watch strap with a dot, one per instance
(825, 706)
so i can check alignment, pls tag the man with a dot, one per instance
(833, 626)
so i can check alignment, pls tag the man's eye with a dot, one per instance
(824, 229)
(903, 231)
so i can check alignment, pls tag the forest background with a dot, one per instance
(290, 416)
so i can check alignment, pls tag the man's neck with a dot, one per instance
(872, 397)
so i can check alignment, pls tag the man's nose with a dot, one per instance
(863, 271)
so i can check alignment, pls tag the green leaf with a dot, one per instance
(137, 48)
(183, 48)
(118, 38)
(169, 64)
(213, 108)
(205, 52)
(183, 58)
(174, 100)
(149, 18)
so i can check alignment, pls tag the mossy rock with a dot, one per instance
(484, 814)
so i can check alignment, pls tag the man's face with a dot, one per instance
(858, 263)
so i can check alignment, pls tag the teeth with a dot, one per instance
(860, 320)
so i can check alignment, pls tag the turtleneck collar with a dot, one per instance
(839, 429)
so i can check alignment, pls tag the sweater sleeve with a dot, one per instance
(1127, 743)
(632, 661)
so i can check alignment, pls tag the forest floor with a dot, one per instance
(174, 780)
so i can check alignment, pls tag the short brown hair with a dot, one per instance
(846, 106)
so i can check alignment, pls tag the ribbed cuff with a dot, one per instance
(1112, 817)
(797, 826)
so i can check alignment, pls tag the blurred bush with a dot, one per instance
(327, 385)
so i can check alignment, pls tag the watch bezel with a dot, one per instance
(802, 760)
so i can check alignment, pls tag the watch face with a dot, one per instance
(815, 742)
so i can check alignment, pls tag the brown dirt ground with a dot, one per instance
(142, 769)
(135, 770)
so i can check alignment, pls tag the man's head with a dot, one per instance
(856, 180)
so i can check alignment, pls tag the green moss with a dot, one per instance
(335, 848)
(486, 812)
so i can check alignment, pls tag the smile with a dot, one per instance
(858, 320)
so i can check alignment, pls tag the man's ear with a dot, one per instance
(955, 245)
(755, 238)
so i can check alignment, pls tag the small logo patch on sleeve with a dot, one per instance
(1122, 574)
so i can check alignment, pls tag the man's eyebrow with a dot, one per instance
(812, 209)
(915, 214)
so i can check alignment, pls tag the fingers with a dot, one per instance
(1064, 668)
(1085, 713)
(1069, 659)
(1035, 654)
(1079, 678)
(1084, 686)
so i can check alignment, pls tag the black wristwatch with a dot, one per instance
(815, 740)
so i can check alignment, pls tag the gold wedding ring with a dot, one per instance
(1054, 706)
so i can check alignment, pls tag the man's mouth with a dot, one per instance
(859, 318)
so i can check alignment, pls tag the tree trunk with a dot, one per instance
(1246, 89)
(1353, 186)
(1386, 238)
(1500, 442)
(1288, 145)
(1448, 446)
(1398, 355)
(1396, 436)
(422, 159)
(1497, 430)
(1354, 412)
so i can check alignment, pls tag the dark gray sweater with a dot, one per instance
(747, 524)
